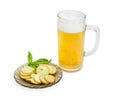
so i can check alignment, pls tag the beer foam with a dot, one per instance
(71, 27)
(71, 21)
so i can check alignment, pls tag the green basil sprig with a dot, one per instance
(35, 64)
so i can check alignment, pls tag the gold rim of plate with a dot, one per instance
(22, 82)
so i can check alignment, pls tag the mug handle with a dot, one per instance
(97, 31)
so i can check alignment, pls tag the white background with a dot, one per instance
(31, 25)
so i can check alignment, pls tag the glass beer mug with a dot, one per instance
(71, 34)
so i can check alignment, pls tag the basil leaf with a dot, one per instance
(36, 63)
(42, 60)
(30, 58)
(33, 64)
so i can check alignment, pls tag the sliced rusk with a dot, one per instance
(37, 78)
(33, 81)
(41, 69)
(25, 77)
(42, 78)
(27, 70)
(50, 78)
(52, 69)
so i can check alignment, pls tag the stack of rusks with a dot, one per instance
(43, 74)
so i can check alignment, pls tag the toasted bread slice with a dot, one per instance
(42, 78)
(32, 75)
(27, 70)
(24, 74)
(28, 80)
(25, 77)
(50, 78)
(37, 78)
(33, 81)
(42, 70)
(52, 69)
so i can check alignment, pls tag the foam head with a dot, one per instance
(71, 21)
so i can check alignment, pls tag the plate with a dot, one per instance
(22, 82)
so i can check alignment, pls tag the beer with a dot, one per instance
(70, 49)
